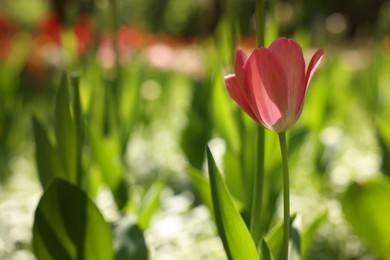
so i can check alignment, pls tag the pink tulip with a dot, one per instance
(270, 85)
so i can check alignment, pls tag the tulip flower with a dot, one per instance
(270, 85)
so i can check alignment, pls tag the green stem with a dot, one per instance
(286, 194)
(115, 37)
(258, 183)
(260, 21)
(258, 178)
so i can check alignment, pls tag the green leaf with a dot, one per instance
(234, 177)
(309, 230)
(68, 225)
(274, 239)
(149, 203)
(106, 152)
(79, 125)
(235, 236)
(294, 252)
(129, 241)
(366, 207)
(200, 126)
(129, 103)
(265, 252)
(48, 162)
(202, 186)
(223, 115)
(65, 132)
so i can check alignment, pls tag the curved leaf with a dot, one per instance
(149, 203)
(129, 241)
(202, 186)
(274, 239)
(47, 159)
(68, 225)
(366, 206)
(235, 236)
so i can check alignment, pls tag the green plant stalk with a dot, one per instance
(115, 36)
(258, 179)
(286, 194)
(257, 193)
(260, 22)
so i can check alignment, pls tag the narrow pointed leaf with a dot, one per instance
(235, 236)
(129, 241)
(274, 239)
(129, 103)
(46, 155)
(309, 231)
(149, 203)
(294, 252)
(202, 186)
(106, 152)
(68, 225)
(224, 117)
(65, 132)
(79, 125)
(265, 252)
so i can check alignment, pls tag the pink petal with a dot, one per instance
(269, 87)
(235, 92)
(314, 62)
(289, 55)
(239, 61)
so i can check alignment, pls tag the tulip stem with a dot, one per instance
(257, 191)
(260, 21)
(286, 194)
(258, 178)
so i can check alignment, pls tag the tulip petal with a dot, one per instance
(235, 92)
(290, 56)
(268, 81)
(239, 61)
(314, 62)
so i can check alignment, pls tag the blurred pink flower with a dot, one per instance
(270, 85)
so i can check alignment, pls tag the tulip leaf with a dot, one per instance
(129, 101)
(235, 236)
(199, 128)
(202, 186)
(234, 176)
(223, 115)
(79, 124)
(48, 162)
(65, 131)
(366, 207)
(129, 241)
(265, 252)
(309, 230)
(149, 203)
(68, 225)
(383, 137)
(274, 239)
(106, 152)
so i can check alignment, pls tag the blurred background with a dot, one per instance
(150, 74)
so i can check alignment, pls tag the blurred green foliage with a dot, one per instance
(83, 126)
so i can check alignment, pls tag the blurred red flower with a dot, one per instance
(6, 32)
(83, 29)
